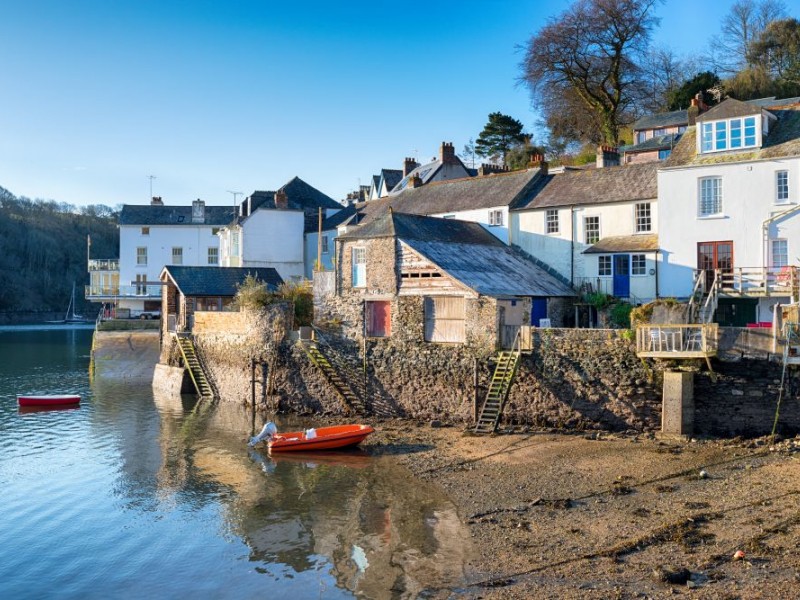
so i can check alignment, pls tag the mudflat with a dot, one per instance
(596, 515)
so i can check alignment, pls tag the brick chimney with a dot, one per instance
(447, 154)
(538, 162)
(281, 200)
(489, 169)
(409, 164)
(607, 156)
(198, 211)
(697, 107)
(414, 182)
(156, 201)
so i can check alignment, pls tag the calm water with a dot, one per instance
(136, 496)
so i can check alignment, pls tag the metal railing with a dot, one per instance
(676, 340)
(104, 264)
(122, 291)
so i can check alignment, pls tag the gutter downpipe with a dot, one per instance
(656, 261)
(765, 232)
(572, 245)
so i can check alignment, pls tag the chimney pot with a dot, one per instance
(156, 201)
(447, 153)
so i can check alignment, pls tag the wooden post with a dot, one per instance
(253, 386)
(319, 241)
(475, 401)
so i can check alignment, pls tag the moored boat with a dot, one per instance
(55, 400)
(321, 438)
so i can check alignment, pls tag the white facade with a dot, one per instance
(493, 219)
(144, 250)
(558, 237)
(266, 238)
(750, 193)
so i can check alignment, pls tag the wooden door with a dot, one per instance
(622, 275)
(379, 319)
(712, 256)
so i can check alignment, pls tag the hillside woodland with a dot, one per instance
(43, 247)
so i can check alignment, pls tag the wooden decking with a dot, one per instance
(677, 341)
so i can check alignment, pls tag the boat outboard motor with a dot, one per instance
(267, 432)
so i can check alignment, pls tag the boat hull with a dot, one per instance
(60, 400)
(327, 438)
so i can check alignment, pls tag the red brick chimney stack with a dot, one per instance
(409, 164)
(447, 153)
(281, 201)
(538, 162)
(156, 201)
(607, 156)
(414, 182)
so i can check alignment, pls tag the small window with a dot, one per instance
(177, 255)
(141, 255)
(638, 264)
(710, 196)
(495, 217)
(604, 265)
(641, 136)
(213, 256)
(448, 216)
(782, 186)
(591, 229)
(706, 138)
(145, 231)
(551, 220)
(780, 253)
(214, 230)
(664, 154)
(235, 243)
(660, 131)
(324, 244)
(644, 219)
(359, 267)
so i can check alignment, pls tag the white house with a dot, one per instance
(444, 167)
(150, 238)
(729, 201)
(597, 228)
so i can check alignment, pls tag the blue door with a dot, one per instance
(622, 275)
(538, 310)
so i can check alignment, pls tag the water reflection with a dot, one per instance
(382, 534)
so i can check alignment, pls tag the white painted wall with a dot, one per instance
(563, 251)
(274, 238)
(748, 198)
(195, 240)
(481, 216)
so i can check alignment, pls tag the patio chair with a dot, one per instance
(658, 339)
(694, 341)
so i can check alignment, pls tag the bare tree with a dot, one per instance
(740, 28)
(662, 74)
(593, 50)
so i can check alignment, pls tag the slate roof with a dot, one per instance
(338, 218)
(468, 253)
(643, 242)
(148, 214)
(773, 102)
(391, 177)
(218, 281)
(783, 140)
(667, 119)
(594, 186)
(729, 108)
(658, 142)
(300, 196)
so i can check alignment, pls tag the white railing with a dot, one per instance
(104, 264)
(757, 281)
(675, 340)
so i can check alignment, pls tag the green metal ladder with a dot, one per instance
(499, 387)
(352, 402)
(192, 363)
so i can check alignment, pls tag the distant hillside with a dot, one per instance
(43, 251)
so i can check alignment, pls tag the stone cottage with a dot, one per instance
(419, 279)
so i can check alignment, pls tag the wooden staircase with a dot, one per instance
(195, 367)
(703, 302)
(337, 375)
(502, 379)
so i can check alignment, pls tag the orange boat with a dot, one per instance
(322, 438)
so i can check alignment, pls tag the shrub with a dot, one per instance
(252, 294)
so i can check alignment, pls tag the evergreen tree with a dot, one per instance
(500, 134)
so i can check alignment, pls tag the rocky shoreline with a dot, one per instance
(576, 515)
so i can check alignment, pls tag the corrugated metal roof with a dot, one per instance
(595, 186)
(643, 242)
(658, 142)
(218, 281)
(135, 214)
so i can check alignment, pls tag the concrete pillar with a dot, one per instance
(677, 408)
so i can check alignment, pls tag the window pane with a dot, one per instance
(750, 131)
(720, 135)
(552, 221)
(782, 186)
(736, 133)
(638, 264)
(710, 196)
(780, 253)
(141, 256)
(592, 229)
(177, 256)
(604, 266)
(213, 256)
(707, 138)
(643, 217)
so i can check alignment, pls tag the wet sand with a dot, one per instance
(597, 515)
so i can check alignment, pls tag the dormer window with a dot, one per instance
(730, 134)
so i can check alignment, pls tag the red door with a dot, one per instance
(715, 255)
(379, 319)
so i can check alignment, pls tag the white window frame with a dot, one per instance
(729, 134)
(586, 229)
(496, 217)
(235, 243)
(714, 201)
(178, 254)
(551, 224)
(605, 265)
(213, 255)
(643, 217)
(782, 255)
(641, 267)
(359, 270)
(141, 256)
(781, 186)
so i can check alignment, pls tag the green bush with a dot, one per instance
(252, 294)
(620, 315)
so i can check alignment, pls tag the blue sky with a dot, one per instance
(236, 95)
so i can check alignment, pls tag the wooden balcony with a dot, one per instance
(757, 282)
(677, 341)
